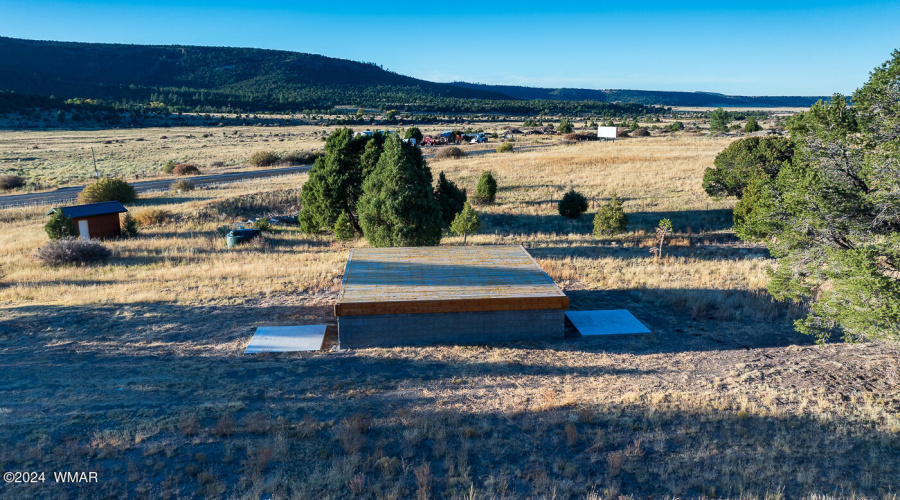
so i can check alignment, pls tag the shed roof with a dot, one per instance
(445, 279)
(91, 209)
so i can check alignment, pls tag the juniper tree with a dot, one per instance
(466, 222)
(832, 217)
(129, 226)
(397, 207)
(414, 133)
(486, 190)
(60, 227)
(572, 205)
(450, 198)
(752, 125)
(743, 160)
(719, 120)
(610, 218)
(343, 230)
(335, 183)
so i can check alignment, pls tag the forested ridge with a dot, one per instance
(648, 97)
(226, 79)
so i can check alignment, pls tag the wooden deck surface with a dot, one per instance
(445, 279)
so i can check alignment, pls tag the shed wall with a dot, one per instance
(384, 330)
(102, 226)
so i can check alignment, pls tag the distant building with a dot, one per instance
(95, 220)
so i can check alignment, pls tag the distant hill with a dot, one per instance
(232, 75)
(649, 97)
(225, 79)
(177, 78)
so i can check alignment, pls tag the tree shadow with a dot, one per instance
(717, 219)
(696, 319)
(636, 250)
(512, 420)
(694, 220)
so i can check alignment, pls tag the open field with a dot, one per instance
(55, 158)
(134, 368)
(58, 158)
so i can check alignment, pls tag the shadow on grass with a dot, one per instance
(680, 321)
(534, 224)
(517, 425)
(718, 219)
(695, 220)
(601, 251)
(684, 320)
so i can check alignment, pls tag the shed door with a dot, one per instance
(83, 230)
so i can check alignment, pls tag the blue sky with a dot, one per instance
(749, 48)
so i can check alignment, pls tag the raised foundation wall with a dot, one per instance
(385, 330)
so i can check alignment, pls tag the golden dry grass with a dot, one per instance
(133, 368)
(57, 158)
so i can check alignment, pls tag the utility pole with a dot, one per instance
(96, 172)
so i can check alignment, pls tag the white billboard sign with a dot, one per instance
(606, 132)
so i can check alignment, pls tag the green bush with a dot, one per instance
(129, 226)
(486, 190)
(169, 166)
(263, 224)
(745, 159)
(565, 126)
(11, 181)
(719, 120)
(72, 251)
(610, 218)
(450, 198)
(466, 222)
(414, 133)
(265, 158)
(59, 226)
(182, 186)
(343, 229)
(108, 190)
(186, 169)
(505, 147)
(675, 127)
(572, 205)
(752, 125)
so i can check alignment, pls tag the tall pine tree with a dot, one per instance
(397, 207)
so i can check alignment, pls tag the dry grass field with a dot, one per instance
(57, 158)
(134, 368)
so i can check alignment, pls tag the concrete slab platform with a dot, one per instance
(611, 322)
(286, 339)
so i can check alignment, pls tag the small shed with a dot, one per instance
(446, 294)
(95, 220)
